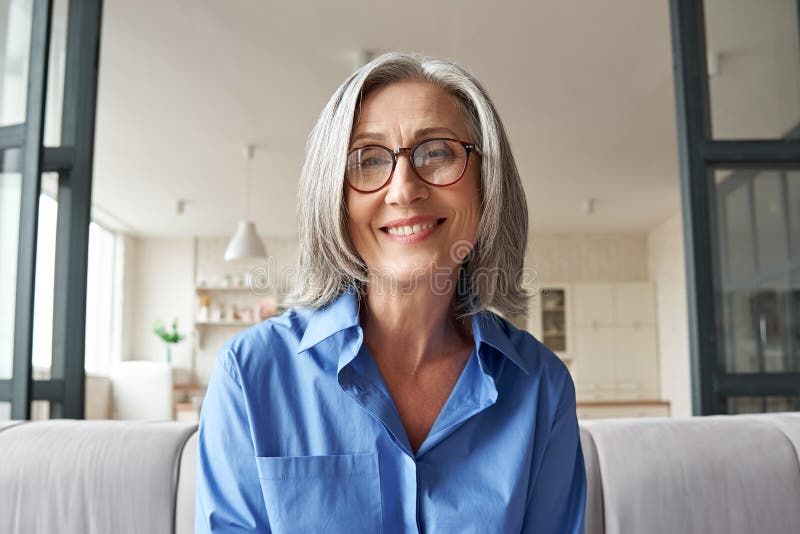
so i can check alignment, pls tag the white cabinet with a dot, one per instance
(617, 351)
(610, 339)
(635, 361)
(593, 303)
(634, 303)
(594, 368)
(614, 303)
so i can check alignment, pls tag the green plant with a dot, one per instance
(168, 336)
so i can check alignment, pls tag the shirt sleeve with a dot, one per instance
(228, 492)
(558, 500)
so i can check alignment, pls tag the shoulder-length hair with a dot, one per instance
(328, 264)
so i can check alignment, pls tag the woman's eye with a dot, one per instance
(373, 162)
(437, 155)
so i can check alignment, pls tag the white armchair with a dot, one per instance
(142, 390)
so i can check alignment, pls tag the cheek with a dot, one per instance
(359, 217)
(353, 215)
(470, 204)
(356, 210)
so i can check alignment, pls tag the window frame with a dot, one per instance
(73, 162)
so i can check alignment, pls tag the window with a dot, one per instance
(100, 295)
(43, 291)
(100, 299)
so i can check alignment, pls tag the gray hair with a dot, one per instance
(328, 264)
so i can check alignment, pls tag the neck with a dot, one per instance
(410, 330)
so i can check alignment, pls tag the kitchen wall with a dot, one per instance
(158, 285)
(665, 263)
(160, 275)
(588, 258)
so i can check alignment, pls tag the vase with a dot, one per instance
(168, 354)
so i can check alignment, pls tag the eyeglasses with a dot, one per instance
(439, 162)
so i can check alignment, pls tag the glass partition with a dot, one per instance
(15, 44)
(753, 63)
(756, 265)
(10, 194)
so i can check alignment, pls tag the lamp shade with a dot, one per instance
(245, 245)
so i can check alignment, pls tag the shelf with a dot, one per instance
(226, 323)
(188, 387)
(202, 289)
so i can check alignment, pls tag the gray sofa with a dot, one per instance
(732, 475)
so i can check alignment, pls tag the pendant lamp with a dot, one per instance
(246, 244)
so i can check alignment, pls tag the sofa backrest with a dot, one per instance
(711, 475)
(90, 476)
(727, 474)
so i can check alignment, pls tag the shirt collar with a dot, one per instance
(342, 314)
(491, 330)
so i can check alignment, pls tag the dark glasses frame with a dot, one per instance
(409, 151)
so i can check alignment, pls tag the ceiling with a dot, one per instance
(584, 88)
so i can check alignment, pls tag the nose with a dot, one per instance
(405, 186)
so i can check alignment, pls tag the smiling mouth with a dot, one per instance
(411, 229)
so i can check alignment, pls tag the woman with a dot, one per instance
(390, 399)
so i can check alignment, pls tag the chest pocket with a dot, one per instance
(335, 493)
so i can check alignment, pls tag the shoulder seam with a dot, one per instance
(227, 366)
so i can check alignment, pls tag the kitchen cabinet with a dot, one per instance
(550, 318)
(610, 338)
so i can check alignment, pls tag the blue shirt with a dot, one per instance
(298, 433)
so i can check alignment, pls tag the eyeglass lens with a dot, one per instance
(438, 162)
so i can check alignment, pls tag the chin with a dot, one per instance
(408, 274)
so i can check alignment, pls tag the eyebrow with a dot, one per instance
(423, 132)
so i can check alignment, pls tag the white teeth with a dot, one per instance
(409, 229)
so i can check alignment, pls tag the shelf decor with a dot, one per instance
(169, 337)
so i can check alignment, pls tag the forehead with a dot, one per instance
(409, 104)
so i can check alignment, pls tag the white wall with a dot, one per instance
(588, 258)
(665, 264)
(125, 307)
(160, 287)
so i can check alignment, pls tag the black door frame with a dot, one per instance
(73, 162)
(699, 156)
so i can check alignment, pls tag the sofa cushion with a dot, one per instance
(90, 476)
(716, 475)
